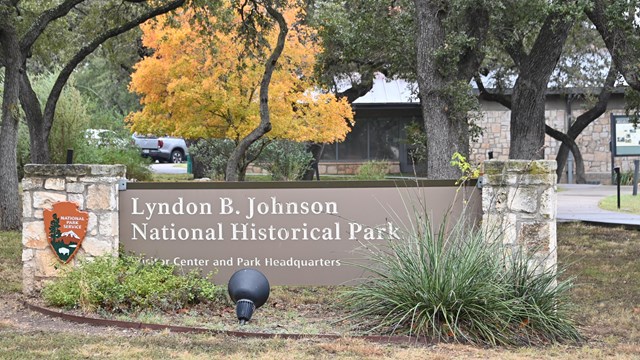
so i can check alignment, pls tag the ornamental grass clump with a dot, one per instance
(450, 284)
(125, 284)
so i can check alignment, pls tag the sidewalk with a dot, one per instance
(580, 203)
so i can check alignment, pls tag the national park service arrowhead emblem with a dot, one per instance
(66, 227)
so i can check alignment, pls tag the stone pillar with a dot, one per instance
(94, 188)
(519, 207)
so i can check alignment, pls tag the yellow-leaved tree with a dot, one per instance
(209, 86)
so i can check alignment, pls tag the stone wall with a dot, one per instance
(334, 168)
(519, 207)
(94, 188)
(593, 142)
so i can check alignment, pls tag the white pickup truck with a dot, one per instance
(163, 149)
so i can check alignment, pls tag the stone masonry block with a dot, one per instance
(46, 263)
(499, 227)
(75, 188)
(34, 235)
(99, 197)
(523, 199)
(548, 203)
(494, 200)
(108, 224)
(45, 199)
(96, 247)
(28, 254)
(108, 170)
(533, 167)
(92, 226)
(54, 184)
(27, 205)
(78, 199)
(32, 183)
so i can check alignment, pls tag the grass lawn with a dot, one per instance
(603, 261)
(628, 204)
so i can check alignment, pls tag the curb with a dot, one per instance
(406, 340)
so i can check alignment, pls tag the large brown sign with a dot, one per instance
(295, 235)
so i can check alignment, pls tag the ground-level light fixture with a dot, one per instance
(249, 289)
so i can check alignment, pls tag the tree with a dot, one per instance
(533, 35)
(583, 65)
(22, 26)
(449, 52)
(439, 43)
(189, 88)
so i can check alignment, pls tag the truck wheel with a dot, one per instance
(177, 156)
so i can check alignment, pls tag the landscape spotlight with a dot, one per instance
(249, 289)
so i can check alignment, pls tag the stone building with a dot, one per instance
(382, 116)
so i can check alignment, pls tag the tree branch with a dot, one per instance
(617, 40)
(358, 90)
(486, 95)
(570, 143)
(67, 70)
(583, 121)
(41, 23)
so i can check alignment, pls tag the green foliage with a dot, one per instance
(463, 107)
(105, 79)
(417, 141)
(70, 120)
(285, 160)
(468, 171)
(212, 155)
(127, 285)
(626, 178)
(137, 166)
(373, 170)
(365, 36)
(455, 286)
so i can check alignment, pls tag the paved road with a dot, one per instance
(168, 168)
(580, 203)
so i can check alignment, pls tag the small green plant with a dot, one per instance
(126, 284)
(451, 285)
(417, 141)
(626, 178)
(373, 170)
(468, 171)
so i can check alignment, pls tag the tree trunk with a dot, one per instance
(235, 169)
(10, 207)
(316, 150)
(442, 135)
(38, 133)
(575, 150)
(585, 120)
(528, 100)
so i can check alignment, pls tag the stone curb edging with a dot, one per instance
(406, 340)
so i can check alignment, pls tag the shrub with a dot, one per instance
(126, 284)
(285, 160)
(373, 170)
(210, 157)
(129, 156)
(454, 286)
